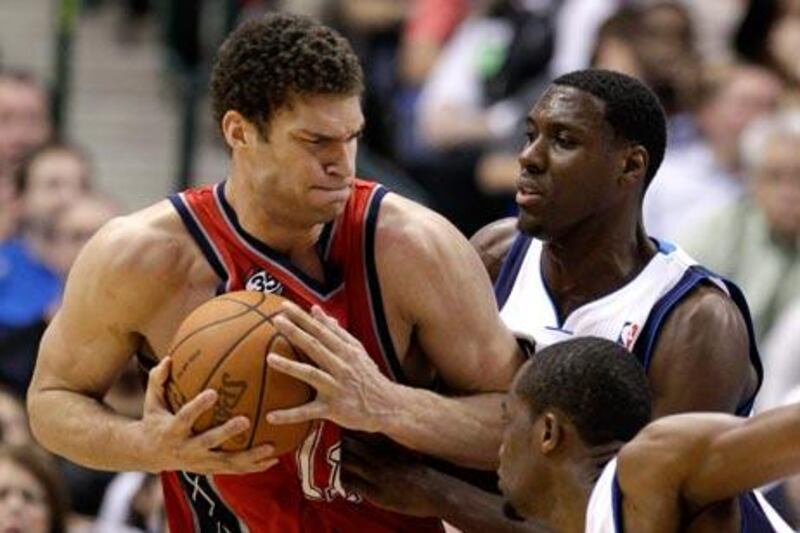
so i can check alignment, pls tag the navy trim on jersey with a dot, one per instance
(324, 242)
(741, 302)
(333, 279)
(374, 288)
(695, 275)
(199, 236)
(643, 349)
(560, 320)
(616, 502)
(510, 268)
(753, 518)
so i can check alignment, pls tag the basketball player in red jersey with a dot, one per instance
(291, 218)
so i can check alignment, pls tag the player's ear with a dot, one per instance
(551, 433)
(634, 167)
(234, 129)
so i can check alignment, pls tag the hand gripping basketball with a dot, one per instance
(172, 445)
(351, 390)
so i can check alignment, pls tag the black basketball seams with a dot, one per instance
(205, 327)
(263, 389)
(252, 307)
(230, 351)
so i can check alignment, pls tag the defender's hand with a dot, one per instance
(351, 390)
(171, 444)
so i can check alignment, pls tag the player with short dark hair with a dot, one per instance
(690, 472)
(575, 378)
(631, 110)
(259, 70)
(291, 218)
(578, 262)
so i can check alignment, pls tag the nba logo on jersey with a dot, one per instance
(262, 281)
(628, 335)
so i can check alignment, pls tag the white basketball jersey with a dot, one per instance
(632, 315)
(604, 512)
(620, 316)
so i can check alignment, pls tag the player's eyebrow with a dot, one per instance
(325, 137)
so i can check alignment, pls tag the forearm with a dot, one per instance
(87, 432)
(465, 430)
(472, 510)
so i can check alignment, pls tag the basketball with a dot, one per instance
(223, 345)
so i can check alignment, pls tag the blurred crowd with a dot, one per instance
(449, 83)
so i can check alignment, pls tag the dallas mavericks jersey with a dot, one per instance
(604, 512)
(632, 315)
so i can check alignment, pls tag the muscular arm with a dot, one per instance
(695, 460)
(701, 361)
(88, 342)
(121, 280)
(434, 281)
(438, 300)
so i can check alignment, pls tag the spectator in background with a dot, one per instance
(781, 354)
(51, 178)
(616, 45)
(13, 420)
(716, 21)
(706, 175)
(578, 25)
(134, 501)
(31, 496)
(73, 225)
(474, 101)
(24, 117)
(429, 25)
(754, 242)
(770, 35)
(24, 125)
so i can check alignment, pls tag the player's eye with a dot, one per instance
(565, 141)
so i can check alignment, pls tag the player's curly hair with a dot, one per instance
(632, 110)
(596, 383)
(265, 62)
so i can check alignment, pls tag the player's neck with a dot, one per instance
(595, 259)
(279, 233)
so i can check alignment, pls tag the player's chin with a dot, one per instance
(530, 224)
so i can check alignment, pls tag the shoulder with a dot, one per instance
(706, 312)
(409, 231)
(667, 450)
(146, 248)
(493, 242)
(702, 359)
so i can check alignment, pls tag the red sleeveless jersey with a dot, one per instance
(303, 491)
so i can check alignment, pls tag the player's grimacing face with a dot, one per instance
(568, 165)
(310, 154)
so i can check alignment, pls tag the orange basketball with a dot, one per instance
(223, 345)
